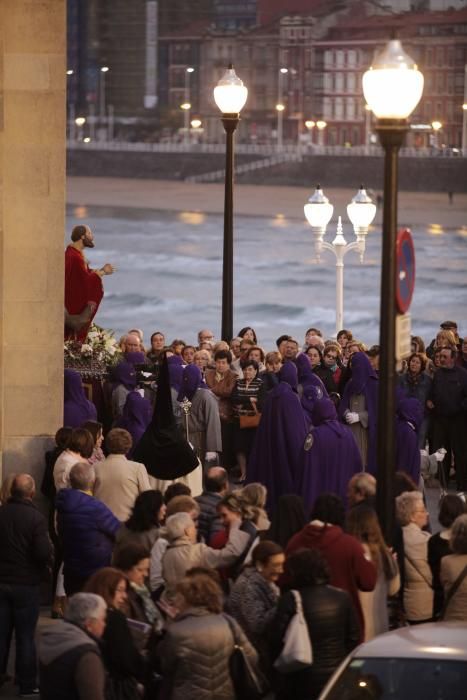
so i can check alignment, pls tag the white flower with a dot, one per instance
(86, 349)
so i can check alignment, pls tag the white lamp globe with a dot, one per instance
(393, 85)
(318, 211)
(361, 210)
(230, 94)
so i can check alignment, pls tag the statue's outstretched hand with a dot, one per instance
(108, 269)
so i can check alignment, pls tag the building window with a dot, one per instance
(339, 58)
(429, 57)
(350, 108)
(427, 111)
(450, 81)
(327, 108)
(328, 59)
(439, 56)
(339, 108)
(339, 82)
(351, 82)
(440, 83)
(328, 82)
(352, 58)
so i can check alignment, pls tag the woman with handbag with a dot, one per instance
(362, 523)
(331, 622)
(417, 584)
(195, 655)
(254, 595)
(247, 401)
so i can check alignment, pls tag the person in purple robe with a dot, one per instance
(136, 417)
(274, 459)
(359, 408)
(409, 417)
(77, 409)
(310, 387)
(329, 456)
(124, 381)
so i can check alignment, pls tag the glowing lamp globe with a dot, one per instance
(361, 210)
(317, 210)
(393, 85)
(230, 94)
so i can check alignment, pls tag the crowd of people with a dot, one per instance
(216, 484)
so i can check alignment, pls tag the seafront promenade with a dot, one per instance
(415, 208)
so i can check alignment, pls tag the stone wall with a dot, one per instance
(415, 174)
(32, 180)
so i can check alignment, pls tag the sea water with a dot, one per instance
(169, 275)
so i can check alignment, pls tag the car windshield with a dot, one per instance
(404, 679)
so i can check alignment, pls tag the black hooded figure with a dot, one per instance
(163, 448)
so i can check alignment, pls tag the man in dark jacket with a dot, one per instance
(25, 552)
(447, 401)
(86, 528)
(69, 656)
(216, 486)
(349, 568)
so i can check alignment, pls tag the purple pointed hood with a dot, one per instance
(77, 408)
(192, 381)
(136, 416)
(288, 373)
(135, 358)
(362, 372)
(125, 373)
(175, 365)
(324, 411)
(410, 410)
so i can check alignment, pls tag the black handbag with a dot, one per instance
(248, 683)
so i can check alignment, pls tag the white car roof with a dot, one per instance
(447, 640)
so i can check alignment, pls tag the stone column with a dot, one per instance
(32, 220)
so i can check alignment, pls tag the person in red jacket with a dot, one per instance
(83, 286)
(349, 567)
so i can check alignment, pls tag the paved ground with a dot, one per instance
(253, 200)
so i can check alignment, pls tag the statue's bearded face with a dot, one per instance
(88, 239)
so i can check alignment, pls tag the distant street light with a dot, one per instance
(392, 87)
(230, 95)
(361, 212)
(280, 106)
(70, 71)
(102, 97)
(80, 122)
(436, 126)
(321, 125)
(187, 105)
(310, 125)
(196, 123)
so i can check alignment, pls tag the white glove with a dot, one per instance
(352, 417)
(439, 454)
(211, 456)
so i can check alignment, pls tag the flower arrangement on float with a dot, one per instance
(96, 355)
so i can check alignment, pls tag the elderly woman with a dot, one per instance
(254, 595)
(417, 584)
(196, 650)
(184, 551)
(258, 355)
(453, 570)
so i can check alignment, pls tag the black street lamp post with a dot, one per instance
(392, 88)
(230, 95)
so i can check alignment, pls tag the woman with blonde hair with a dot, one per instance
(254, 497)
(362, 523)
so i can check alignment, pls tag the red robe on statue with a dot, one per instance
(82, 287)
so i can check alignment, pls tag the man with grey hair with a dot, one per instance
(361, 490)
(70, 663)
(25, 552)
(86, 527)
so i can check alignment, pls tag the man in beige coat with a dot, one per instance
(119, 481)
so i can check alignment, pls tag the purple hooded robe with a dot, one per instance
(331, 460)
(409, 417)
(364, 381)
(136, 417)
(279, 439)
(77, 409)
(311, 387)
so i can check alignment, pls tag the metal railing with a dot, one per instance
(265, 150)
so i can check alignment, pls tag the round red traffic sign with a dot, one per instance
(405, 282)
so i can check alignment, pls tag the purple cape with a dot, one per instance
(288, 373)
(192, 381)
(408, 420)
(136, 417)
(311, 388)
(279, 439)
(77, 409)
(331, 461)
(364, 381)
